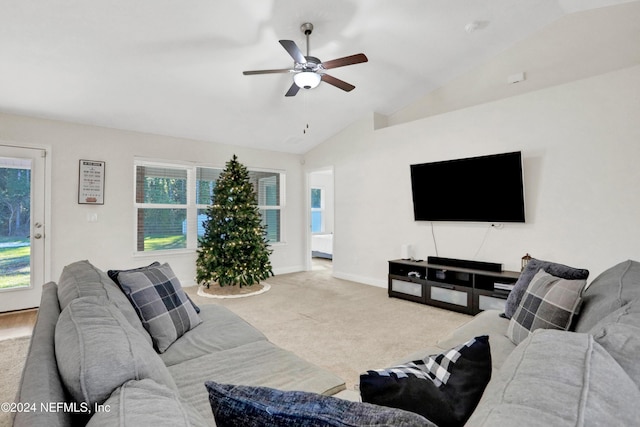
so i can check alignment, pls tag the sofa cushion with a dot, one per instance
(40, 381)
(114, 275)
(549, 303)
(145, 403)
(611, 290)
(445, 388)
(162, 305)
(619, 334)
(557, 378)
(533, 266)
(221, 330)
(98, 350)
(82, 279)
(487, 322)
(237, 405)
(259, 363)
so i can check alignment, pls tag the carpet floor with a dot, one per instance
(343, 326)
(13, 353)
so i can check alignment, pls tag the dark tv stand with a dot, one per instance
(467, 290)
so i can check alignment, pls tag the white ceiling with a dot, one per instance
(174, 68)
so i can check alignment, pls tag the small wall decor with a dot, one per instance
(91, 182)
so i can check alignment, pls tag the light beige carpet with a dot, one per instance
(13, 353)
(343, 326)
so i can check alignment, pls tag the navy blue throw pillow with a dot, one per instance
(444, 388)
(245, 406)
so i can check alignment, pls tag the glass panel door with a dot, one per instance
(21, 227)
(15, 216)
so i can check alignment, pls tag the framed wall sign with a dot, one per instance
(91, 182)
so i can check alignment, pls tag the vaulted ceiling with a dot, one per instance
(175, 67)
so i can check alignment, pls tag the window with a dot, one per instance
(268, 189)
(161, 201)
(171, 202)
(317, 210)
(205, 185)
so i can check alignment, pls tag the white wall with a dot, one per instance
(580, 143)
(109, 243)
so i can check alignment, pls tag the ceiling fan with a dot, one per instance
(308, 70)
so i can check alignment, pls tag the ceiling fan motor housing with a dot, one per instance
(308, 77)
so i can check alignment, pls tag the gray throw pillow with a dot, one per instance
(97, 350)
(237, 405)
(156, 294)
(548, 303)
(534, 265)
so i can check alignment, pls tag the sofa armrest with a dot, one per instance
(558, 378)
(40, 382)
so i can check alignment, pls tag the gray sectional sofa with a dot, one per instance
(588, 376)
(103, 349)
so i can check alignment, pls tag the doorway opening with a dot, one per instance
(321, 218)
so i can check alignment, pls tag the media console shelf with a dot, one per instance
(467, 290)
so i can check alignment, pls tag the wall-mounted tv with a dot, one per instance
(475, 189)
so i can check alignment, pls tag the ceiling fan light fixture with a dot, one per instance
(307, 79)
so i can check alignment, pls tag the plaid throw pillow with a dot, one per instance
(535, 265)
(162, 305)
(444, 388)
(436, 368)
(548, 303)
(115, 276)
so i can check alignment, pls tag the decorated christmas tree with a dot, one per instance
(234, 250)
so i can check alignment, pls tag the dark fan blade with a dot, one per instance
(294, 51)
(292, 90)
(282, 70)
(347, 60)
(340, 84)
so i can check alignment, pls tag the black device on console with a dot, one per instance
(463, 263)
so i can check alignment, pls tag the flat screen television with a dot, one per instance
(475, 189)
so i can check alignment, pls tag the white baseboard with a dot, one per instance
(287, 270)
(361, 279)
